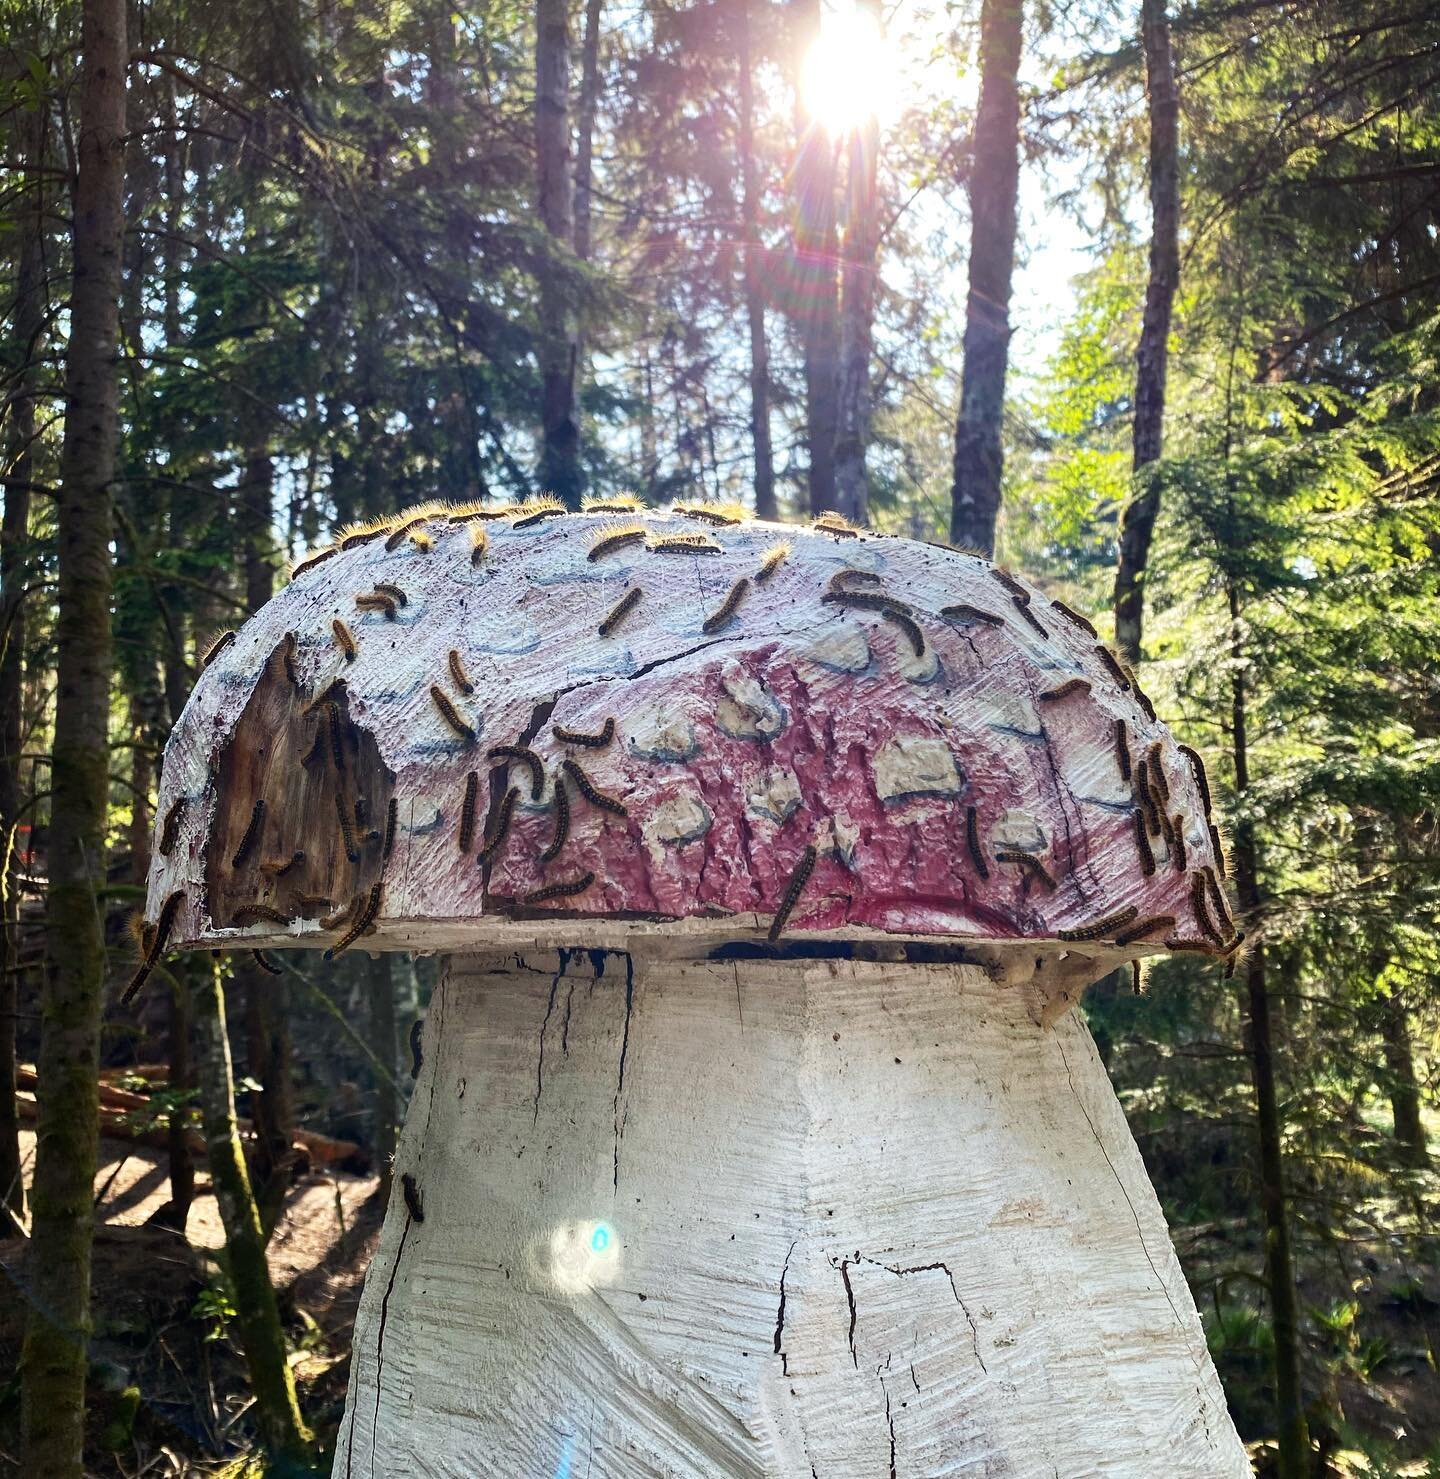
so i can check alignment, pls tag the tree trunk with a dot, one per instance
(258, 1314)
(1138, 523)
(559, 419)
(585, 127)
(994, 177)
(54, 1360)
(1401, 1084)
(1294, 1438)
(379, 990)
(857, 313)
(770, 1218)
(19, 469)
(754, 260)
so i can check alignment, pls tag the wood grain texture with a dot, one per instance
(801, 722)
(764, 1218)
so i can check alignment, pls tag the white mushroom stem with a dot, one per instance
(770, 1217)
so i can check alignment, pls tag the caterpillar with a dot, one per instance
(354, 535)
(458, 673)
(286, 654)
(171, 828)
(417, 1058)
(718, 514)
(344, 638)
(684, 544)
(610, 503)
(496, 836)
(362, 810)
(1112, 665)
(215, 649)
(1202, 781)
(412, 1198)
(1028, 861)
(363, 920)
(1203, 947)
(398, 532)
(141, 931)
(910, 627)
(479, 544)
(347, 834)
(972, 841)
(527, 758)
(467, 513)
(621, 609)
(1219, 849)
(1147, 800)
(1167, 830)
(830, 522)
(248, 914)
(865, 601)
(1145, 927)
(451, 715)
(266, 964)
(392, 815)
(388, 588)
(963, 611)
(612, 539)
(163, 925)
(1142, 842)
(316, 751)
(1157, 772)
(772, 560)
(378, 602)
(562, 822)
(1023, 607)
(563, 889)
(336, 732)
(311, 561)
(534, 509)
(1217, 897)
(251, 835)
(590, 741)
(467, 811)
(1141, 697)
(587, 789)
(279, 867)
(422, 541)
(1017, 591)
(1122, 749)
(724, 613)
(1071, 685)
(1177, 843)
(313, 901)
(1084, 623)
(798, 879)
(1105, 926)
(1202, 913)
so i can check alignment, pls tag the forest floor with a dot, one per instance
(169, 1395)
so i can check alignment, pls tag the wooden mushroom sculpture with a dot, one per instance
(752, 1135)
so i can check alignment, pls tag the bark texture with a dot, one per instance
(54, 1359)
(753, 251)
(994, 177)
(759, 1217)
(1138, 523)
(1402, 1085)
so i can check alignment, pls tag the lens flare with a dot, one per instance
(848, 76)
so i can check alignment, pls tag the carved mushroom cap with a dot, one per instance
(667, 717)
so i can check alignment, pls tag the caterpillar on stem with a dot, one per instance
(1202, 913)
(1219, 849)
(588, 790)
(533, 510)
(313, 901)
(1177, 844)
(843, 579)
(620, 610)
(451, 715)
(1141, 697)
(251, 835)
(610, 503)
(1158, 777)
(526, 757)
(579, 737)
(1106, 926)
(564, 888)
(1217, 897)
(1197, 769)
(1017, 591)
(798, 879)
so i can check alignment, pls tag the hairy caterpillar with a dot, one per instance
(286, 653)
(215, 649)
(344, 638)
(621, 609)
(1142, 842)
(1071, 685)
(266, 964)
(495, 838)
(1145, 927)
(346, 832)
(1023, 607)
(389, 588)
(337, 736)
(830, 522)
(1202, 781)
(842, 579)
(479, 544)
(279, 867)
(1017, 591)
(587, 789)
(1147, 799)
(467, 811)
(563, 889)
(1217, 897)
(972, 841)
(1105, 926)
(1219, 849)
(1202, 913)
(458, 673)
(412, 1198)
(772, 560)
(171, 828)
(466, 513)
(798, 879)
(684, 544)
(578, 737)
(718, 514)
(1203, 947)
(612, 539)
(1157, 772)
(311, 561)
(1122, 749)
(378, 602)
(1141, 697)
(610, 503)
(527, 758)
(399, 532)
(1112, 665)
(562, 822)
(534, 509)
(963, 611)
(420, 538)
(724, 613)
(451, 714)
(1177, 843)
(363, 920)
(417, 1058)
(1028, 861)
(1084, 623)
(354, 535)
(251, 835)
(248, 914)
(392, 815)
(865, 601)
(163, 925)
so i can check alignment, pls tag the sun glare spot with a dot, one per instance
(848, 76)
